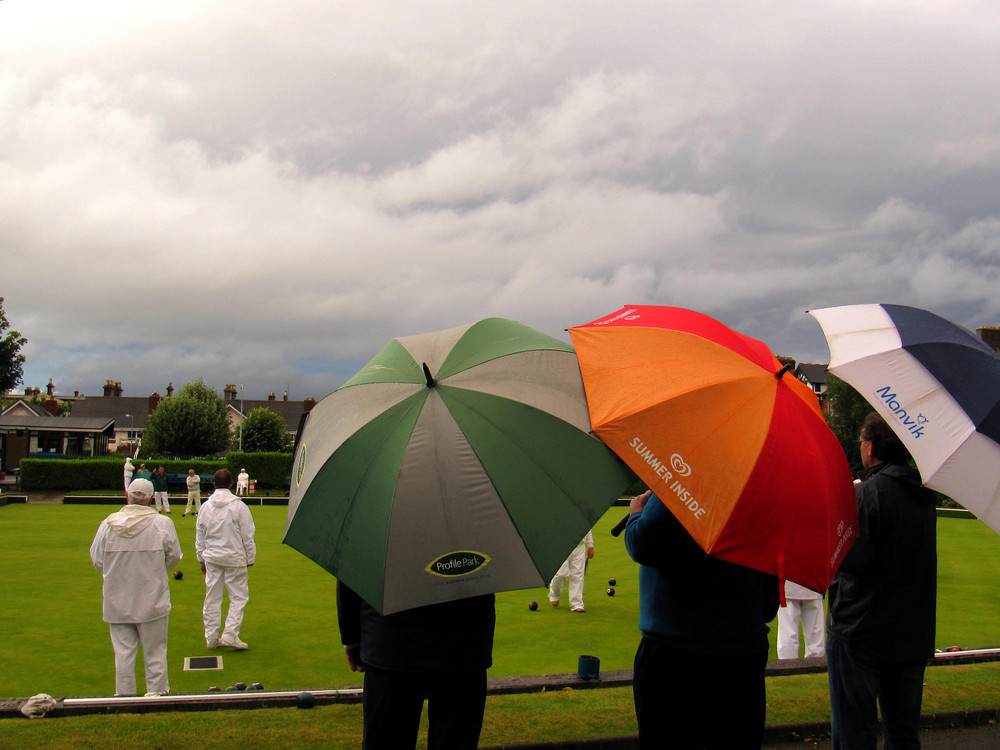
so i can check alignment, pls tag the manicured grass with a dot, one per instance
(509, 719)
(55, 642)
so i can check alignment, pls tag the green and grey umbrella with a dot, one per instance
(454, 464)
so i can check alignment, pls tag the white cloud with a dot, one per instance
(267, 193)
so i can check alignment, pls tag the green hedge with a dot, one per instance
(105, 473)
(270, 471)
(71, 473)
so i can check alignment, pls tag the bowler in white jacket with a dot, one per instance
(133, 549)
(224, 543)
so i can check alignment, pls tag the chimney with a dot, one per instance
(270, 396)
(231, 392)
(170, 389)
(308, 404)
(154, 401)
(50, 388)
(52, 406)
(991, 335)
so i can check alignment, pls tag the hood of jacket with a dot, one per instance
(131, 519)
(222, 497)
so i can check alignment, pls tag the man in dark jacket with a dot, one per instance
(882, 601)
(698, 678)
(440, 652)
(160, 487)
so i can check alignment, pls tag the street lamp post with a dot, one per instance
(241, 417)
(131, 429)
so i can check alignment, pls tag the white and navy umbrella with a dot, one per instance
(936, 384)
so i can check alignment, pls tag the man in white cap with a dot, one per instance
(242, 482)
(133, 549)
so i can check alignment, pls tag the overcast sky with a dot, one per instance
(265, 193)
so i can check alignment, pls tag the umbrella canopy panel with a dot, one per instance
(475, 475)
(936, 384)
(742, 457)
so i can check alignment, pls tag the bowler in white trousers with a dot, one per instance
(803, 606)
(572, 572)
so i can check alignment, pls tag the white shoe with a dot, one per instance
(233, 642)
(212, 643)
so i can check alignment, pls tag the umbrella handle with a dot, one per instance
(620, 526)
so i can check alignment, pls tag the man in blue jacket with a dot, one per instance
(698, 678)
(880, 631)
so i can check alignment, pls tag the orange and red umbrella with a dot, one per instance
(741, 455)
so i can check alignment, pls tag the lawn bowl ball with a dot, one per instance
(215, 689)
(178, 574)
(240, 686)
(612, 581)
(256, 686)
(611, 592)
(231, 689)
(532, 606)
(305, 700)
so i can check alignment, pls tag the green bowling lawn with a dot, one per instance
(55, 642)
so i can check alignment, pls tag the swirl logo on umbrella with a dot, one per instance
(679, 466)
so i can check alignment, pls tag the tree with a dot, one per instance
(192, 423)
(11, 359)
(265, 432)
(847, 412)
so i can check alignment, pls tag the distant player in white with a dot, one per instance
(242, 482)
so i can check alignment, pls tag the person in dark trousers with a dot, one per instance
(439, 652)
(882, 601)
(698, 677)
(160, 487)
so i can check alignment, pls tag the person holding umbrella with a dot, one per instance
(880, 629)
(439, 653)
(698, 677)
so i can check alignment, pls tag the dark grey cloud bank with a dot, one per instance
(265, 193)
